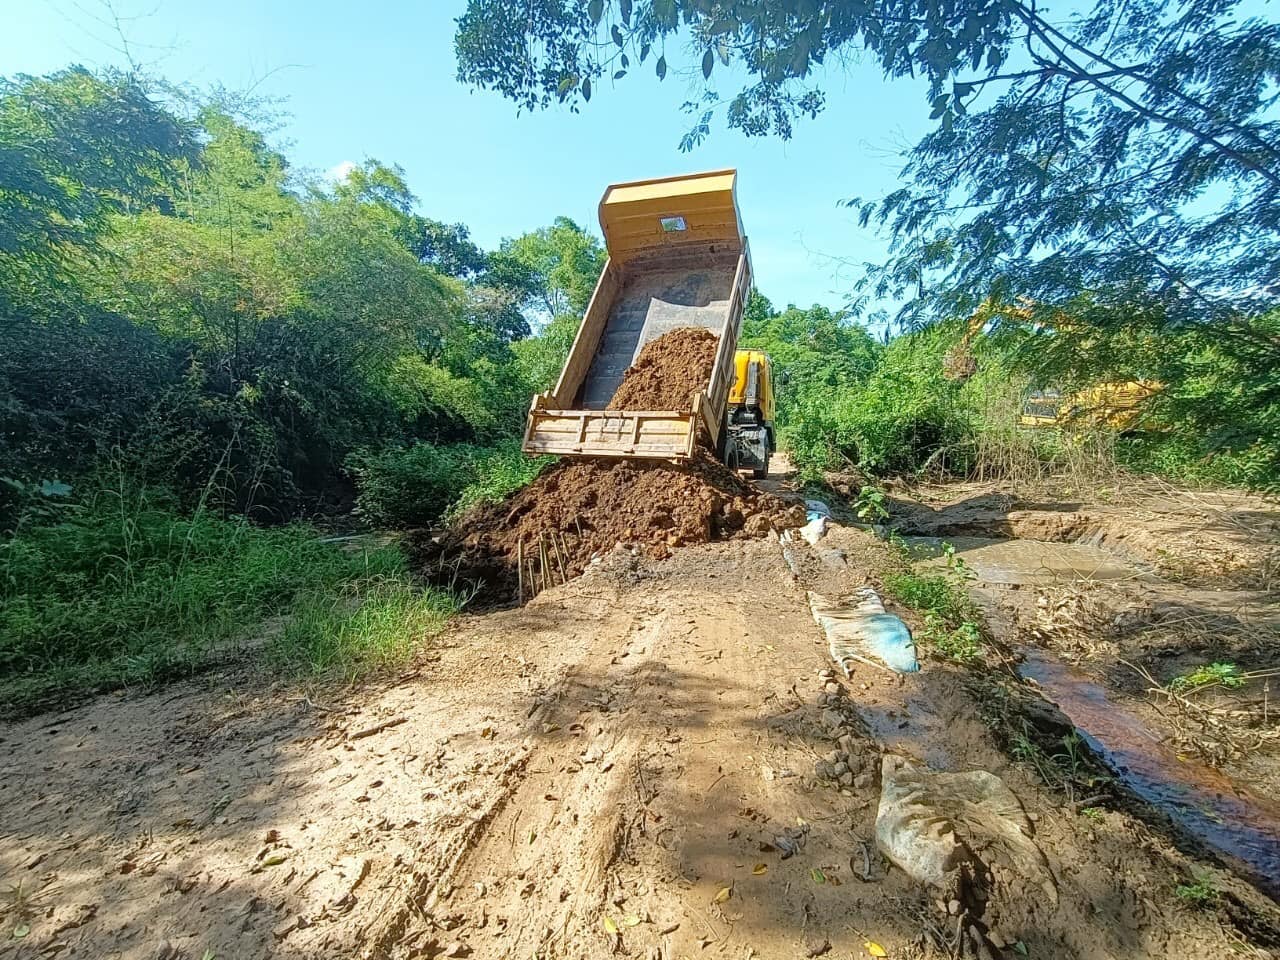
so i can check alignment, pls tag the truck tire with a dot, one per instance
(761, 472)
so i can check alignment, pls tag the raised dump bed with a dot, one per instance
(677, 258)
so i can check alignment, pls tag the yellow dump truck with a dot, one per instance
(678, 257)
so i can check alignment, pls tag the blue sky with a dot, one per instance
(377, 80)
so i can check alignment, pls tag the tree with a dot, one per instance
(75, 148)
(554, 268)
(815, 353)
(1129, 150)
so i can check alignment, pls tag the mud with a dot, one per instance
(1089, 592)
(647, 761)
(668, 372)
(580, 510)
(1195, 538)
(632, 764)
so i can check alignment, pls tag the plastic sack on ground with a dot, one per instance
(819, 515)
(857, 628)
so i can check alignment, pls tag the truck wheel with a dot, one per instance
(762, 471)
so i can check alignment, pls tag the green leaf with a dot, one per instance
(708, 61)
(617, 34)
(624, 8)
(586, 89)
(661, 67)
(619, 74)
(595, 10)
(644, 51)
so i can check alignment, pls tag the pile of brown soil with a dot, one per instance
(580, 509)
(668, 371)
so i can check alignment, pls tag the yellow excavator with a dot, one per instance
(1113, 404)
(678, 257)
(1116, 405)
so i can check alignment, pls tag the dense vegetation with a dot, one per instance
(192, 335)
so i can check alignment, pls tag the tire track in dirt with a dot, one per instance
(523, 882)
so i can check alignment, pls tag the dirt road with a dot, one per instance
(617, 767)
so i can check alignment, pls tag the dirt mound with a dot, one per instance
(668, 371)
(580, 509)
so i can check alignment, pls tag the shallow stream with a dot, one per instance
(1201, 800)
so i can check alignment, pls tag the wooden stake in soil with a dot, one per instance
(547, 581)
(564, 575)
(520, 568)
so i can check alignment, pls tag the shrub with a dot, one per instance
(410, 486)
(498, 473)
(950, 615)
(419, 485)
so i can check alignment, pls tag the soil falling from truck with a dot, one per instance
(549, 532)
(669, 371)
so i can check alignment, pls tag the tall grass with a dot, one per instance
(124, 591)
(365, 625)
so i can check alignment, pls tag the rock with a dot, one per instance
(846, 779)
(863, 780)
(832, 688)
(823, 770)
(817, 947)
(847, 744)
(832, 756)
(841, 769)
(953, 907)
(832, 719)
(930, 824)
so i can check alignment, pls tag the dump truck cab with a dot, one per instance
(748, 438)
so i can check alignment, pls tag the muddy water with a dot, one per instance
(1029, 561)
(1203, 801)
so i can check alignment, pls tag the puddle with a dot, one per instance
(1027, 561)
(1201, 800)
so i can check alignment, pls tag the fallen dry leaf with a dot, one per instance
(610, 927)
(760, 869)
(875, 949)
(724, 894)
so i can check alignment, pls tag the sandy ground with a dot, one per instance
(614, 768)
